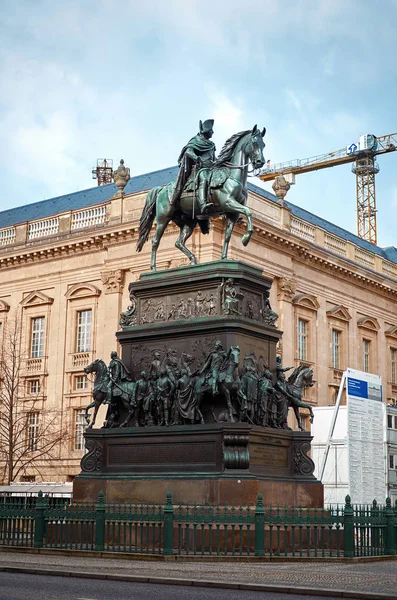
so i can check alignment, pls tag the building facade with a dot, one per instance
(65, 266)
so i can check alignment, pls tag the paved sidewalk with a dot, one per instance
(369, 578)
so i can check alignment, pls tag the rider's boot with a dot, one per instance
(202, 199)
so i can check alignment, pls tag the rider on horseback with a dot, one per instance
(213, 364)
(198, 153)
(118, 372)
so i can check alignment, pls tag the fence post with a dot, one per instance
(259, 527)
(168, 526)
(100, 523)
(348, 526)
(390, 541)
(39, 520)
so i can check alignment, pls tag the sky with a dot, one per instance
(81, 80)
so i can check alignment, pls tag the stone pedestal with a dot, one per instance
(217, 463)
(178, 315)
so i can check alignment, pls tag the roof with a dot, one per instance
(140, 183)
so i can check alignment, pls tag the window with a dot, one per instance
(34, 386)
(393, 372)
(335, 341)
(302, 339)
(390, 421)
(80, 382)
(84, 320)
(37, 337)
(391, 461)
(28, 478)
(33, 431)
(79, 428)
(395, 422)
(366, 355)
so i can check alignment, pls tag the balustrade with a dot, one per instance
(89, 217)
(303, 229)
(335, 244)
(38, 229)
(7, 236)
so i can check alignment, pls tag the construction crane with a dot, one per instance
(363, 154)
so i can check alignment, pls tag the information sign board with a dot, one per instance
(365, 437)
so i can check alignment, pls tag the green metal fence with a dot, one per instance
(203, 530)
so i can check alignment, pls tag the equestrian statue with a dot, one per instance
(206, 187)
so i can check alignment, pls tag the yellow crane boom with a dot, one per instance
(363, 155)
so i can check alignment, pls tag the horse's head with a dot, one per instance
(255, 146)
(234, 355)
(307, 377)
(93, 367)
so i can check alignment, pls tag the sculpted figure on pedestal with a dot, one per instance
(266, 413)
(249, 388)
(212, 366)
(231, 298)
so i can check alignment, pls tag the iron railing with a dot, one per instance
(205, 530)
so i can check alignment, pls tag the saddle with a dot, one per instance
(214, 178)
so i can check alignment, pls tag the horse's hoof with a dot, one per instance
(245, 239)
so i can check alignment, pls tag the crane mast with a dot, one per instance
(365, 168)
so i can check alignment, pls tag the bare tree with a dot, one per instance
(30, 435)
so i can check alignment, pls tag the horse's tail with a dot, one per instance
(147, 217)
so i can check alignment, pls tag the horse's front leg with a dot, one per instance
(230, 223)
(298, 417)
(235, 207)
(184, 234)
(87, 416)
(229, 404)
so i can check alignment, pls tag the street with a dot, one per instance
(23, 586)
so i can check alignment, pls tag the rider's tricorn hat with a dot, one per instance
(206, 126)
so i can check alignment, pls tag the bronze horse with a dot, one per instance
(99, 394)
(228, 384)
(227, 182)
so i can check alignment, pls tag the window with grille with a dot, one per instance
(302, 339)
(37, 337)
(393, 357)
(33, 431)
(79, 428)
(80, 382)
(84, 322)
(336, 337)
(366, 355)
(391, 461)
(34, 386)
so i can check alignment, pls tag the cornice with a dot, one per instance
(274, 237)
